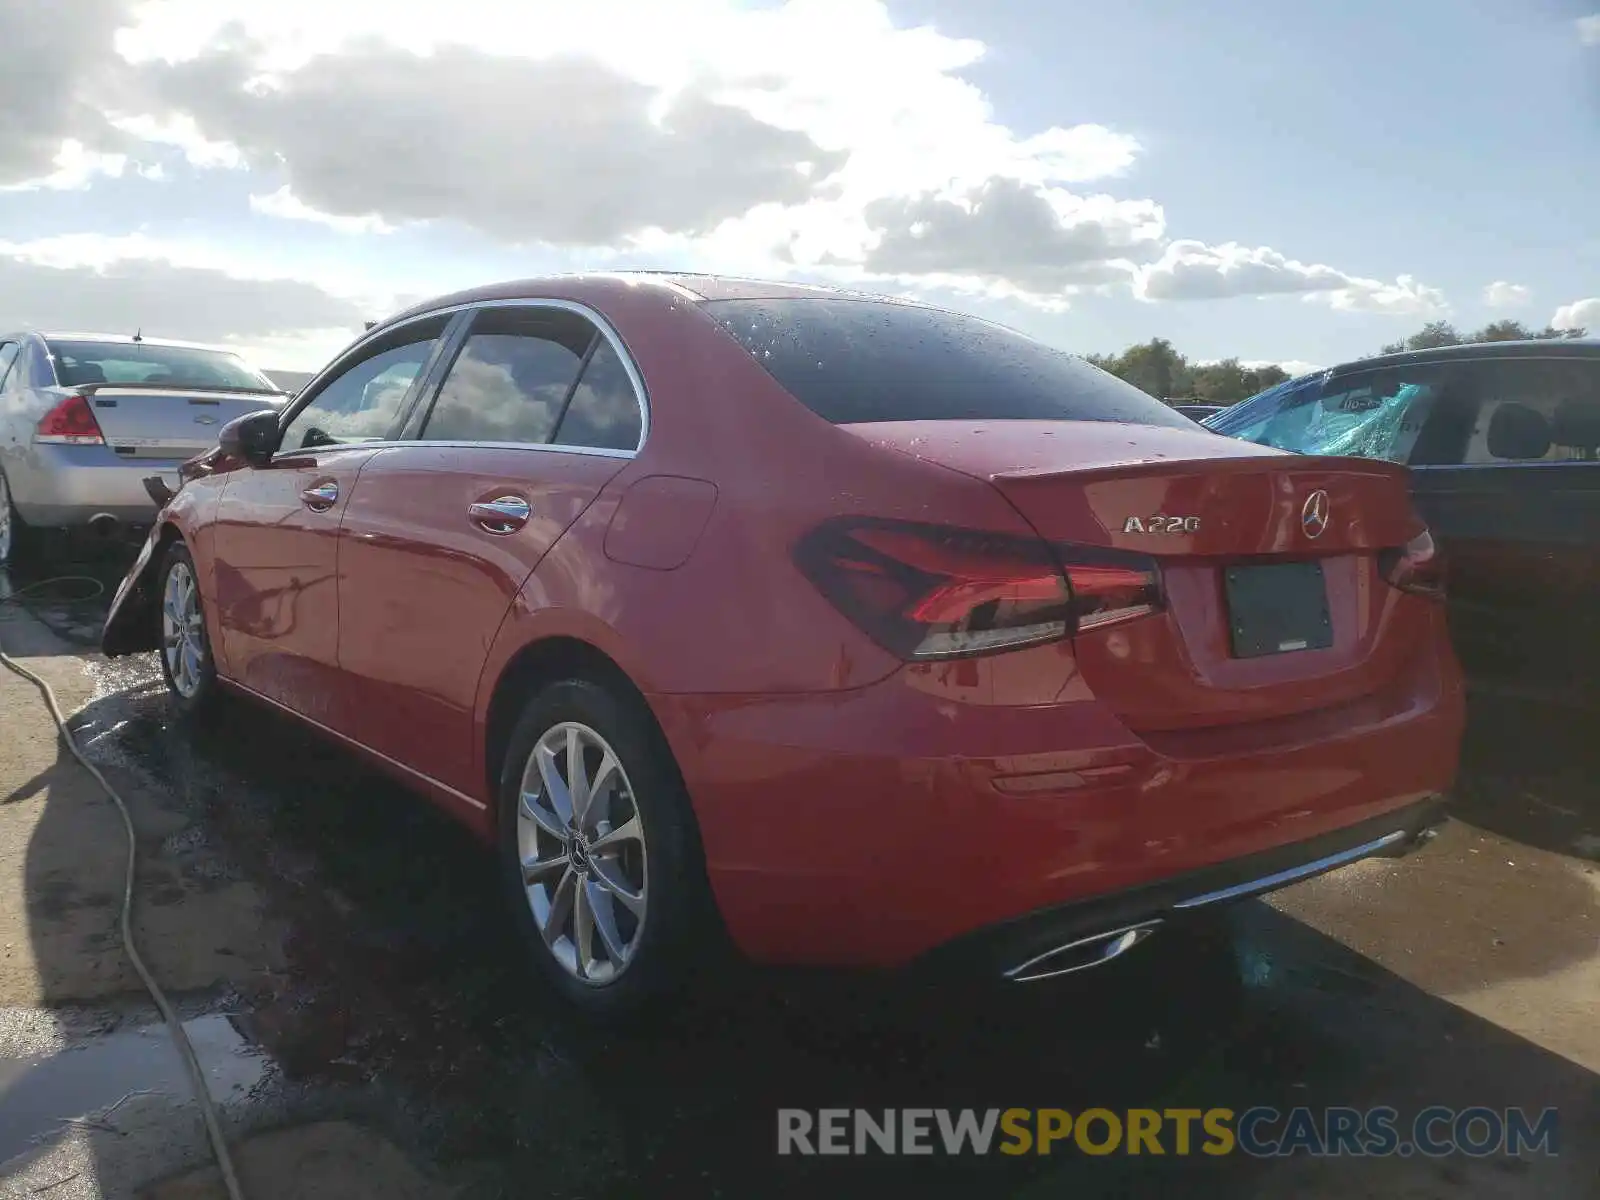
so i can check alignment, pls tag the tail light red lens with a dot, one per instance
(71, 423)
(935, 592)
(1110, 587)
(1417, 567)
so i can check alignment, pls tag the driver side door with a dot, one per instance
(276, 533)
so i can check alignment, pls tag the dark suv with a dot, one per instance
(1504, 439)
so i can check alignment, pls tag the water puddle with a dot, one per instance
(87, 1084)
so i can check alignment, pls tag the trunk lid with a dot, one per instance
(1262, 619)
(141, 422)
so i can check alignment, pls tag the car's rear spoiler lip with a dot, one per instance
(89, 389)
(1242, 464)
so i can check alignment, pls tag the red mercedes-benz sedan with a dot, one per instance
(876, 633)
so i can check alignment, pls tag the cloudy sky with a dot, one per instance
(1280, 182)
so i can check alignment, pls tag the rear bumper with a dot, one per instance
(65, 486)
(1071, 937)
(870, 827)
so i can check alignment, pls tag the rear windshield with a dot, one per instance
(80, 363)
(851, 361)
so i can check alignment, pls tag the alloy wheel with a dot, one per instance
(580, 841)
(182, 630)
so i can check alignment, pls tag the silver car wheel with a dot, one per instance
(581, 844)
(6, 532)
(182, 631)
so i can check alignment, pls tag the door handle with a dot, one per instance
(321, 497)
(504, 514)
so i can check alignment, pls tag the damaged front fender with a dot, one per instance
(131, 626)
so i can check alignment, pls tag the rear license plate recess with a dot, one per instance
(1277, 608)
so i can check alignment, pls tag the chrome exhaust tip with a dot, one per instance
(103, 524)
(1411, 845)
(1093, 951)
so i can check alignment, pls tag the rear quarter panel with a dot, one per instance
(736, 617)
(19, 414)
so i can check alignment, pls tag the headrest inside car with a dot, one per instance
(1576, 423)
(1517, 431)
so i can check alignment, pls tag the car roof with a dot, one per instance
(1529, 348)
(596, 287)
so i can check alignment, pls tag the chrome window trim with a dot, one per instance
(1521, 464)
(404, 443)
(307, 395)
(537, 447)
(641, 394)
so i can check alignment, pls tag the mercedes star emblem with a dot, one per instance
(1314, 516)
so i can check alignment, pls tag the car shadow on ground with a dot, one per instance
(387, 986)
(402, 1000)
(1529, 772)
(68, 595)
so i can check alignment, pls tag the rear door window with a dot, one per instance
(604, 412)
(1536, 410)
(853, 361)
(8, 355)
(512, 378)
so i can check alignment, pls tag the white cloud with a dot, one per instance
(76, 167)
(286, 205)
(1191, 270)
(381, 131)
(1293, 366)
(1589, 30)
(694, 113)
(181, 132)
(1039, 240)
(810, 137)
(60, 75)
(93, 283)
(1501, 294)
(1580, 314)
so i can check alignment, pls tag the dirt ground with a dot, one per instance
(62, 860)
(355, 997)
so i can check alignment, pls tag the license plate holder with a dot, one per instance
(1277, 608)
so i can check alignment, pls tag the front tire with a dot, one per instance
(599, 851)
(185, 650)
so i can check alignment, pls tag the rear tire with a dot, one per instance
(610, 894)
(184, 645)
(15, 537)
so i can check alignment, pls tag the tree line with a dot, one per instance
(1157, 367)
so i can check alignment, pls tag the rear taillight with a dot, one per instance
(1109, 586)
(934, 592)
(71, 423)
(1416, 567)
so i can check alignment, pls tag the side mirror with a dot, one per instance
(252, 437)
